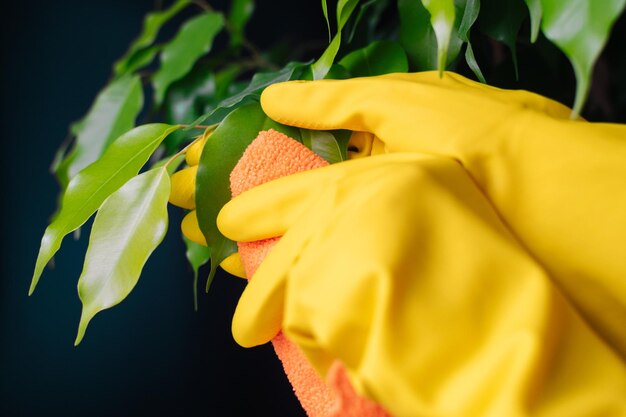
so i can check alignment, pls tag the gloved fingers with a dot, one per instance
(271, 209)
(233, 265)
(183, 188)
(191, 228)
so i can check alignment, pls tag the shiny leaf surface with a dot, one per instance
(128, 227)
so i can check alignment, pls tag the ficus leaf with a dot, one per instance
(253, 91)
(194, 39)
(580, 28)
(323, 144)
(219, 156)
(534, 9)
(197, 255)
(442, 21)
(90, 187)
(112, 114)
(382, 57)
(240, 12)
(128, 227)
(151, 25)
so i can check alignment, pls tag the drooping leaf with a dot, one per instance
(197, 255)
(240, 12)
(112, 114)
(580, 28)
(87, 190)
(143, 58)
(194, 39)
(219, 157)
(253, 91)
(502, 20)
(128, 227)
(534, 9)
(325, 11)
(442, 21)
(151, 25)
(470, 13)
(321, 67)
(382, 57)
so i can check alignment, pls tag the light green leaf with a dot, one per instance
(219, 157)
(471, 62)
(87, 190)
(321, 67)
(501, 20)
(323, 144)
(253, 91)
(151, 26)
(580, 28)
(112, 114)
(240, 12)
(534, 9)
(128, 227)
(442, 21)
(325, 11)
(470, 13)
(197, 255)
(193, 40)
(382, 57)
(142, 58)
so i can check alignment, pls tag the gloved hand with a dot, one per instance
(438, 283)
(183, 195)
(559, 185)
(398, 266)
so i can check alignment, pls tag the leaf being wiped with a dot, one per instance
(194, 39)
(128, 227)
(88, 190)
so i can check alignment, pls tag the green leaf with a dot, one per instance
(321, 67)
(416, 35)
(193, 40)
(323, 144)
(87, 190)
(151, 26)
(442, 21)
(240, 12)
(219, 157)
(382, 57)
(501, 20)
(142, 58)
(470, 13)
(197, 255)
(253, 91)
(113, 113)
(128, 227)
(534, 9)
(325, 11)
(580, 28)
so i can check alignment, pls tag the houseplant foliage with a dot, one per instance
(167, 92)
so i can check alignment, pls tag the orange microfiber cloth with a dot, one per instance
(270, 156)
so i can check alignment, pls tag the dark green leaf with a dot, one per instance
(253, 91)
(219, 157)
(151, 25)
(87, 190)
(416, 35)
(193, 40)
(128, 227)
(112, 114)
(580, 28)
(240, 13)
(442, 21)
(143, 58)
(382, 57)
(197, 255)
(501, 20)
(323, 144)
(325, 11)
(469, 15)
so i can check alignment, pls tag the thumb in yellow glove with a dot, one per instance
(398, 266)
(183, 195)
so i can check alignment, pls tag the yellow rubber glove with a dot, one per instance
(558, 184)
(442, 291)
(183, 195)
(398, 266)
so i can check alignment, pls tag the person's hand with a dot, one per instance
(183, 195)
(399, 267)
(559, 185)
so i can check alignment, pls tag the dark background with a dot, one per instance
(152, 355)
